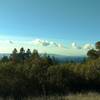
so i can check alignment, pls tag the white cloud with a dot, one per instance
(46, 46)
(60, 46)
(88, 46)
(41, 42)
(46, 43)
(84, 47)
(53, 44)
(74, 45)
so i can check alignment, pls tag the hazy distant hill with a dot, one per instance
(62, 58)
(4, 54)
(59, 58)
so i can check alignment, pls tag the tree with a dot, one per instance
(14, 56)
(98, 45)
(98, 48)
(22, 55)
(35, 54)
(22, 51)
(48, 60)
(28, 54)
(92, 54)
(5, 59)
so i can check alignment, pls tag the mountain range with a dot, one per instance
(59, 58)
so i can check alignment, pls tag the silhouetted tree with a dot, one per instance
(5, 59)
(28, 54)
(14, 56)
(92, 54)
(22, 55)
(98, 45)
(35, 54)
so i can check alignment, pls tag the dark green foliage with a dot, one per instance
(35, 54)
(5, 59)
(93, 54)
(98, 45)
(27, 74)
(28, 54)
(14, 56)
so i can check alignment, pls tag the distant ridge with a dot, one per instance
(64, 58)
(59, 58)
(4, 54)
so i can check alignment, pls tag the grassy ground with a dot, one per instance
(79, 96)
(88, 96)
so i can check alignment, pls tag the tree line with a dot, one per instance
(27, 73)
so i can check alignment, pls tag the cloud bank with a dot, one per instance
(75, 46)
(46, 43)
(88, 46)
(46, 46)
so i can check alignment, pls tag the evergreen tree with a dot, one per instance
(28, 54)
(5, 59)
(14, 56)
(92, 54)
(35, 54)
(22, 55)
(98, 45)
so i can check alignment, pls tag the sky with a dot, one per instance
(66, 27)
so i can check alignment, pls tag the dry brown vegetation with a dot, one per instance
(78, 96)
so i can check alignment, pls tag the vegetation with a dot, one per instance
(94, 53)
(26, 74)
(78, 96)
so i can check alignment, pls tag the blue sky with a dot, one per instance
(67, 22)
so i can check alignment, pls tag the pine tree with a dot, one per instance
(14, 56)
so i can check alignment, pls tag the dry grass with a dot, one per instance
(79, 96)
(88, 96)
